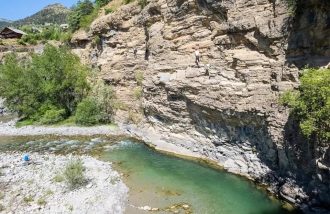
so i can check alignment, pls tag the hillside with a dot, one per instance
(4, 22)
(55, 13)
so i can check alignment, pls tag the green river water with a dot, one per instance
(161, 181)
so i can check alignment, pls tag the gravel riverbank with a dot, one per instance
(38, 187)
(9, 129)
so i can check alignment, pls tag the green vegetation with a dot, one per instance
(36, 34)
(28, 199)
(143, 3)
(101, 3)
(138, 93)
(310, 104)
(106, 11)
(2, 208)
(88, 112)
(41, 201)
(46, 88)
(74, 174)
(84, 13)
(139, 77)
(58, 178)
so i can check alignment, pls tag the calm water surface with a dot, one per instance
(158, 180)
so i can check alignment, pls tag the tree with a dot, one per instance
(101, 3)
(82, 9)
(310, 105)
(54, 80)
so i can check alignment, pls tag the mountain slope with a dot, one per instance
(4, 23)
(55, 13)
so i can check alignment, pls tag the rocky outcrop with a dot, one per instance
(226, 108)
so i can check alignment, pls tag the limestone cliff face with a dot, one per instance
(226, 108)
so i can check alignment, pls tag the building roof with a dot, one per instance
(14, 30)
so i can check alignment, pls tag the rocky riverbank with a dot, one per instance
(9, 129)
(39, 188)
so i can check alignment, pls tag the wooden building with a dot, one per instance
(11, 33)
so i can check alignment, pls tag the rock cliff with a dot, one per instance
(226, 108)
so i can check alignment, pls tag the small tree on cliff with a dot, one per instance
(310, 105)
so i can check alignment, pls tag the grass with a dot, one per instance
(2, 195)
(28, 199)
(139, 77)
(24, 123)
(58, 178)
(137, 93)
(74, 174)
(41, 201)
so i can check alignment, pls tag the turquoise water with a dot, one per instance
(158, 180)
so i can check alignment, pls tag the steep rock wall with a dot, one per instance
(226, 108)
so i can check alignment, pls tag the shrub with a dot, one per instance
(143, 3)
(41, 201)
(58, 178)
(54, 78)
(105, 96)
(128, 1)
(28, 199)
(310, 104)
(1, 42)
(138, 93)
(139, 77)
(74, 174)
(101, 3)
(88, 112)
(106, 11)
(53, 116)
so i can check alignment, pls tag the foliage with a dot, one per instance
(87, 20)
(54, 79)
(106, 98)
(101, 3)
(41, 201)
(108, 11)
(28, 199)
(58, 178)
(88, 112)
(35, 34)
(74, 174)
(143, 3)
(310, 105)
(81, 14)
(128, 1)
(138, 93)
(139, 77)
(52, 116)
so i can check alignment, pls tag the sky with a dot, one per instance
(18, 9)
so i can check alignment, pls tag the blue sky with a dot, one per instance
(17, 9)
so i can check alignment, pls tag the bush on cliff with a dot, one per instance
(310, 104)
(42, 87)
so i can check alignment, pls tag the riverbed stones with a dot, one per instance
(32, 189)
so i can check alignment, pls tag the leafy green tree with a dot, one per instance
(310, 105)
(54, 80)
(82, 9)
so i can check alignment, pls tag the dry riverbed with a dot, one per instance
(40, 186)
